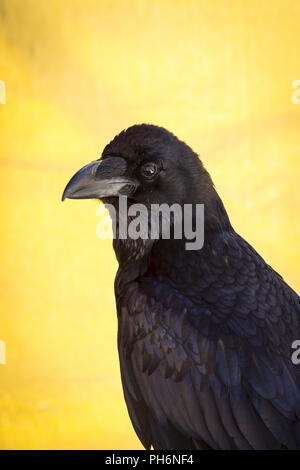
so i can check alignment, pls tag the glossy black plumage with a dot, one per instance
(206, 355)
(204, 336)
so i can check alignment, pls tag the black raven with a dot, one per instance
(204, 336)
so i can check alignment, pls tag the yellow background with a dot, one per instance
(219, 75)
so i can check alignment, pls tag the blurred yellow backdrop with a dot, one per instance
(219, 75)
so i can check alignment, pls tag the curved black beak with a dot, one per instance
(99, 179)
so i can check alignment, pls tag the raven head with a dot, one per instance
(146, 163)
(149, 165)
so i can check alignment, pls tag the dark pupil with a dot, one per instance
(149, 169)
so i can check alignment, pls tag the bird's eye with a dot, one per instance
(149, 169)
